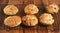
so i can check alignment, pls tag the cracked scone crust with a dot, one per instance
(52, 8)
(30, 20)
(31, 9)
(10, 10)
(12, 21)
(46, 19)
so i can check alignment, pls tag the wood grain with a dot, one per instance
(55, 28)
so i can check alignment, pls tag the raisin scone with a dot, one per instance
(30, 20)
(10, 10)
(52, 8)
(31, 9)
(46, 19)
(12, 21)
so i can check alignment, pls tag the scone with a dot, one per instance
(12, 21)
(46, 19)
(31, 9)
(10, 10)
(30, 20)
(52, 8)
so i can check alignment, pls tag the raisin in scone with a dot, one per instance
(12, 21)
(10, 10)
(30, 20)
(31, 9)
(52, 8)
(46, 19)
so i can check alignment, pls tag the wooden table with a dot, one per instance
(55, 28)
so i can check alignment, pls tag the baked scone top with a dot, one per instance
(31, 9)
(12, 21)
(46, 19)
(30, 20)
(10, 10)
(52, 8)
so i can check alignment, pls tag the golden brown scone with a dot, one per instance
(31, 9)
(30, 20)
(12, 21)
(46, 19)
(52, 8)
(10, 10)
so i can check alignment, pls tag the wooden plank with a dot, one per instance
(4, 1)
(4, 31)
(47, 2)
(30, 31)
(37, 2)
(59, 31)
(26, 2)
(55, 28)
(15, 2)
(42, 31)
(14, 31)
(20, 31)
